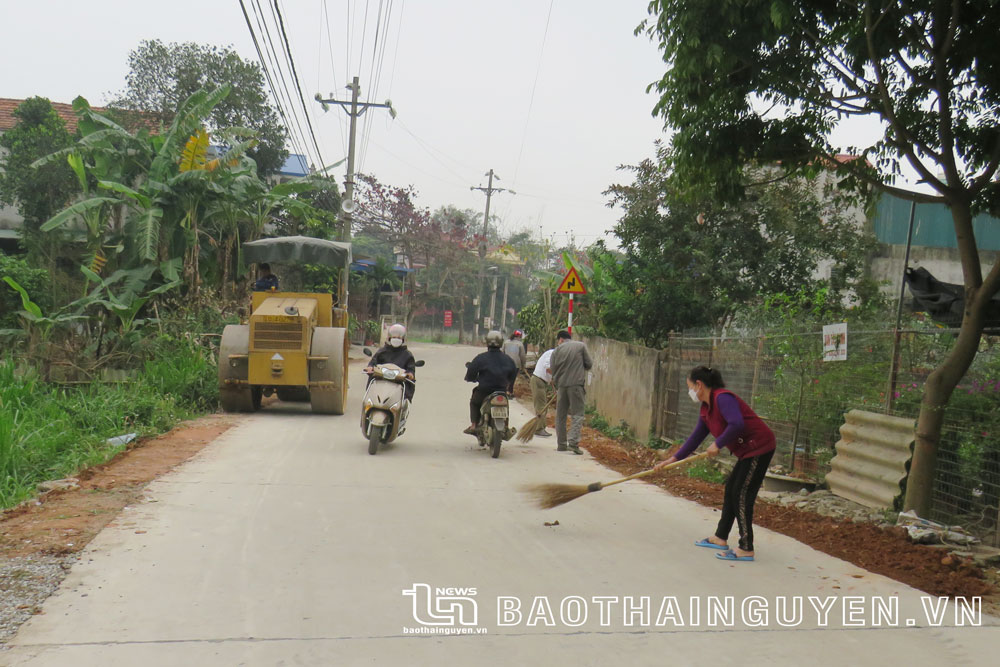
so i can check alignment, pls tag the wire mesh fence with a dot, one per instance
(804, 400)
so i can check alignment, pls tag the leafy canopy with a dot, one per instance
(162, 76)
(768, 81)
(37, 193)
(693, 262)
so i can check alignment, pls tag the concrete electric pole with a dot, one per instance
(355, 110)
(489, 190)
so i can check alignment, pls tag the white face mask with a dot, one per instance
(694, 395)
(396, 342)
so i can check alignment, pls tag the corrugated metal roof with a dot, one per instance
(932, 225)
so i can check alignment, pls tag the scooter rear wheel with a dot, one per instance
(374, 436)
(497, 440)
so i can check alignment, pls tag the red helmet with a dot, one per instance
(518, 333)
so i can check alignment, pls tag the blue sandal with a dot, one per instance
(729, 554)
(711, 545)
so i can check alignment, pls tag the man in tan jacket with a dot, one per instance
(570, 363)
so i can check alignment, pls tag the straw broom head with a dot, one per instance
(548, 496)
(530, 428)
(535, 424)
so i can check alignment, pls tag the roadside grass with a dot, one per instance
(49, 431)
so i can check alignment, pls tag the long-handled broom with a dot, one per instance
(535, 424)
(548, 496)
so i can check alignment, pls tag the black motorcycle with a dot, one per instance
(494, 422)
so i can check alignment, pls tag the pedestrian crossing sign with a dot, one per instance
(572, 284)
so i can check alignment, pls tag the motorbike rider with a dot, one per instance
(395, 352)
(493, 370)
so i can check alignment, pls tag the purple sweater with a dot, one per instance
(730, 410)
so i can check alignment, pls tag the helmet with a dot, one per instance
(494, 339)
(397, 335)
(518, 333)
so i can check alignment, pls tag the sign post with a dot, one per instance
(571, 285)
(447, 318)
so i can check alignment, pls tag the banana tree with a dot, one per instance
(125, 292)
(39, 327)
(141, 175)
(105, 151)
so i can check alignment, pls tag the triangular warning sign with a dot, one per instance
(572, 284)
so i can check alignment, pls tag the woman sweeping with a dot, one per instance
(736, 426)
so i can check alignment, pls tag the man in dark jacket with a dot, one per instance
(395, 352)
(493, 370)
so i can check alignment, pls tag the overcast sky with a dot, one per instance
(460, 73)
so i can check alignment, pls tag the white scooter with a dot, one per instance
(384, 410)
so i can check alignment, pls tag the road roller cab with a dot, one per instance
(295, 343)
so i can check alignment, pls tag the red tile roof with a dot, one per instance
(65, 111)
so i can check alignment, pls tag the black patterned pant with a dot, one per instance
(741, 493)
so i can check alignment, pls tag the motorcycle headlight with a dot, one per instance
(390, 375)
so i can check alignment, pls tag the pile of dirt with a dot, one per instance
(886, 551)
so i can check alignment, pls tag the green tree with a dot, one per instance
(162, 76)
(693, 262)
(37, 193)
(768, 80)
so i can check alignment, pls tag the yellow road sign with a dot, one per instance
(572, 284)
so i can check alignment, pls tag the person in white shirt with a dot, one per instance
(541, 388)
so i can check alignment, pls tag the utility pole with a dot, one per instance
(503, 316)
(493, 300)
(355, 110)
(489, 190)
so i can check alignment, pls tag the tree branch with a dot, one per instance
(981, 181)
(945, 131)
(890, 112)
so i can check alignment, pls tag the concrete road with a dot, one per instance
(285, 543)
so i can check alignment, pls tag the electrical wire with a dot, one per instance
(531, 102)
(298, 86)
(375, 70)
(395, 54)
(297, 142)
(267, 74)
(428, 149)
(333, 69)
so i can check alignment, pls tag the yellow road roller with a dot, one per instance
(296, 343)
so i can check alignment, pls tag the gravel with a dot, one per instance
(25, 582)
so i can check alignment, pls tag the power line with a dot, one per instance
(347, 42)
(297, 142)
(395, 54)
(333, 69)
(267, 73)
(375, 71)
(298, 87)
(364, 33)
(531, 100)
(366, 126)
(427, 149)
